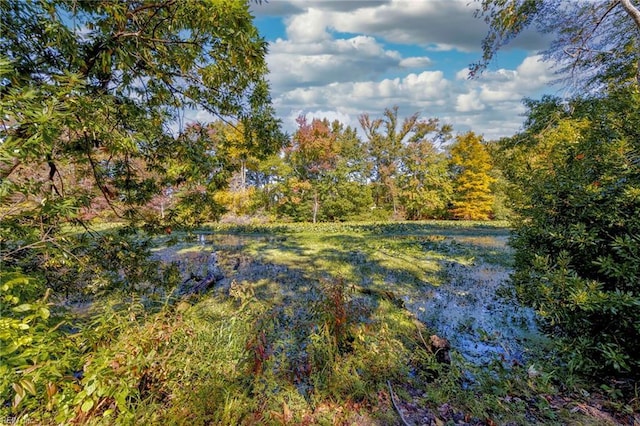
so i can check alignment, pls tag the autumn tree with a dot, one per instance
(312, 155)
(386, 139)
(93, 100)
(324, 177)
(100, 87)
(243, 149)
(471, 167)
(93, 97)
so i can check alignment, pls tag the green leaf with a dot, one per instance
(19, 390)
(44, 313)
(90, 388)
(87, 405)
(121, 400)
(23, 308)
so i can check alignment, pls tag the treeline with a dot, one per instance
(409, 169)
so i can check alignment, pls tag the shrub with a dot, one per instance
(578, 240)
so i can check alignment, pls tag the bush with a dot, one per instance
(37, 361)
(578, 240)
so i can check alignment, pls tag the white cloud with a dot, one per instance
(463, 74)
(535, 71)
(415, 62)
(339, 115)
(335, 63)
(317, 63)
(436, 24)
(490, 105)
(308, 27)
(469, 102)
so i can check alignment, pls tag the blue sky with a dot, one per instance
(339, 59)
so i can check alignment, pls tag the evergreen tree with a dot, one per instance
(471, 167)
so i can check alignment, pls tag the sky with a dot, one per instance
(338, 59)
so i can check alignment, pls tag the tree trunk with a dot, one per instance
(316, 206)
(243, 174)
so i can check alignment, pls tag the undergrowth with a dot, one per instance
(315, 332)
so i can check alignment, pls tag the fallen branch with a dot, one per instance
(395, 404)
(427, 347)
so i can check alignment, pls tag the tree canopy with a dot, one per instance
(574, 174)
(471, 165)
(97, 92)
(387, 140)
(595, 43)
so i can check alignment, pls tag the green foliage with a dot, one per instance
(578, 242)
(425, 185)
(399, 171)
(291, 343)
(37, 360)
(92, 95)
(390, 145)
(322, 176)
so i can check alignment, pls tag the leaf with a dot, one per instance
(17, 399)
(18, 389)
(44, 313)
(286, 412)
(22, 308)
(52, 389)
(121, 400)
(91, 387)
(28, 386)
(87, 405)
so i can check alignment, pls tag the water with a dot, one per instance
(479, 324)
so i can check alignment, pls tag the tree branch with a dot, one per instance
(98, 180)
(5, 171)
(635, 15)
(632, 11)
(395, 404)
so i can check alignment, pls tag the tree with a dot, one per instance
(386, 140)
(425, 184)
(595, 43)
(574, 171)
(577, 169)
(348, 194)
(471, 165)
(98, 88)
(92, 102)
(312, 155)
(325, 175)
(242, 148)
